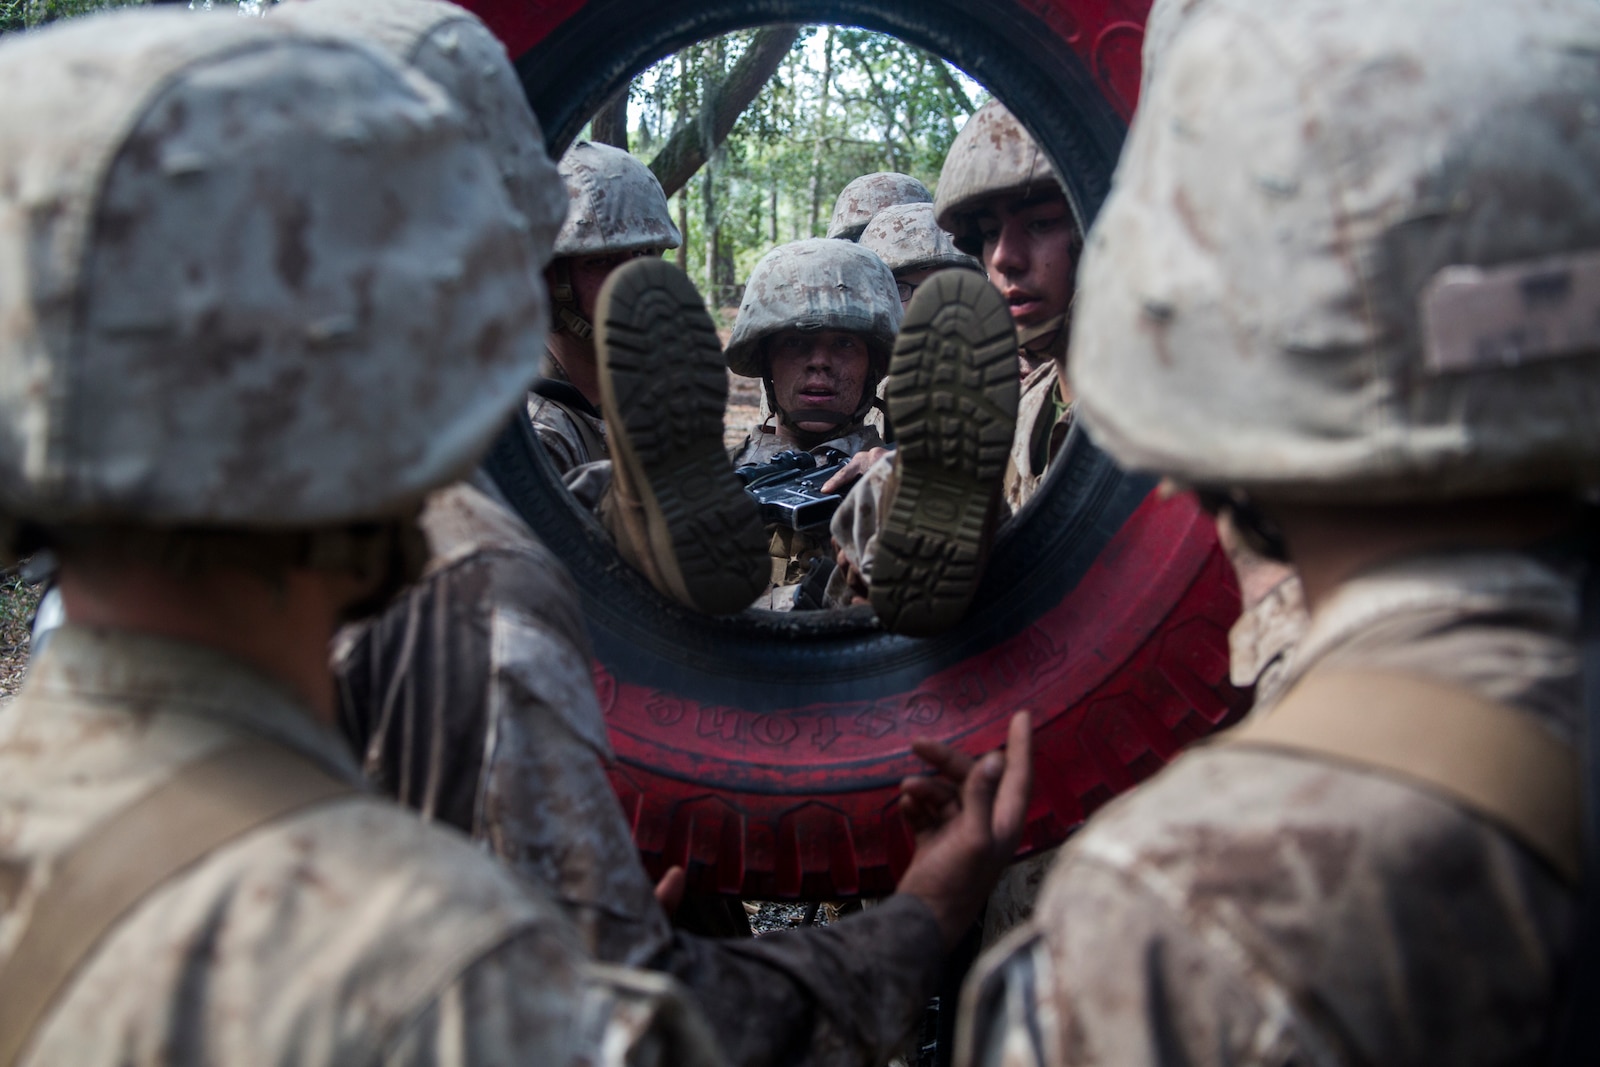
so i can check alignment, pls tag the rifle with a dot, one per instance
(789, 488)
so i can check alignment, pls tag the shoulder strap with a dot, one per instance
(1492, 760)
(100, 879)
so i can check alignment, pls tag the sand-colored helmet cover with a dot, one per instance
(249, 276)
(815, 284)
(615, 204)
(907, 239)
(1350, 253)
(450, 45)
(869, 194)
(992, 156)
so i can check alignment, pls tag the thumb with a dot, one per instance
(979, 789)
(669, 891)
(1015, 788)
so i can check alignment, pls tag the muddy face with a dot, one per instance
(819, 373)
(1030, 250)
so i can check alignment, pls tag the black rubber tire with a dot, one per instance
(762, 751)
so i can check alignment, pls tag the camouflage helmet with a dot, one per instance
(220, 239)
(454, 48)
(616, 204)
(869, 194)
(907, 239)
(992, 156)
(815, 284)
(1352, 253)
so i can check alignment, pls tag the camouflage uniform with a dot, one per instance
(470, 698)
(1257, 904)
(165, 370)
(869, 194)
(811, 285)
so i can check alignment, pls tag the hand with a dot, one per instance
(968, 818)
(852, 578)
(854, 469)
(669, 891)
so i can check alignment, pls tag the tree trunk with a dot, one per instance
(610, 123)
(822, 131)
(686, 150)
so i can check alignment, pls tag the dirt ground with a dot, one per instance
(18, 598)
(744, 409)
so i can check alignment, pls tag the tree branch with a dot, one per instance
(687, 150)
(610, 123)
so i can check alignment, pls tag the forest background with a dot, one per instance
(752, 134)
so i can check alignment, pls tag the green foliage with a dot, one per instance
(40, 12)
(845, 102)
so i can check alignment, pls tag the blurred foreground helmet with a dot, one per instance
(815, 284)
(870, 194)
(249, 277)
(616, 204)
(907, 239)
(992, 156)
(1352, 253)
(451, 46)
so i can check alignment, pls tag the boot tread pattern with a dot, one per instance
(952, 396)
(663, 360)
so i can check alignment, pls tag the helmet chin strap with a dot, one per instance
(568, 318)
(1046, 340)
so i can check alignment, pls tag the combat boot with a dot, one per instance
(952, 398)
(677, 511)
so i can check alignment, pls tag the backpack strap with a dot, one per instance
(102, 877)
(1490, 759)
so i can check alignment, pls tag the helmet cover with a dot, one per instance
(1352, 253)
(616, 204)
(250, 276)
(908, 239)
(992, 157)
(453, 47)
(815, 284)
(869, 194)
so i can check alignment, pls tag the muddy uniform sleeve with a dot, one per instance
(483, 715)
(471, 700)
(847, 994)
(524, 1003)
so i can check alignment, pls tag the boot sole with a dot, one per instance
(664, 390)
(952, 398)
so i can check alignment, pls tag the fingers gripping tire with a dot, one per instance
(762, 752)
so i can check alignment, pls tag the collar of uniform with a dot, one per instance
(1501, 624)
(125, 668)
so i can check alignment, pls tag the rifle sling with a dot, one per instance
(1485, 757)
(101, 878)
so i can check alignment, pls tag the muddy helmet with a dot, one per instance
(616, 204)
(907, 239)
(817, 284)
(1352, 254)
(220, 240)
(454, 48)
(992, 156)
(869, 194)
